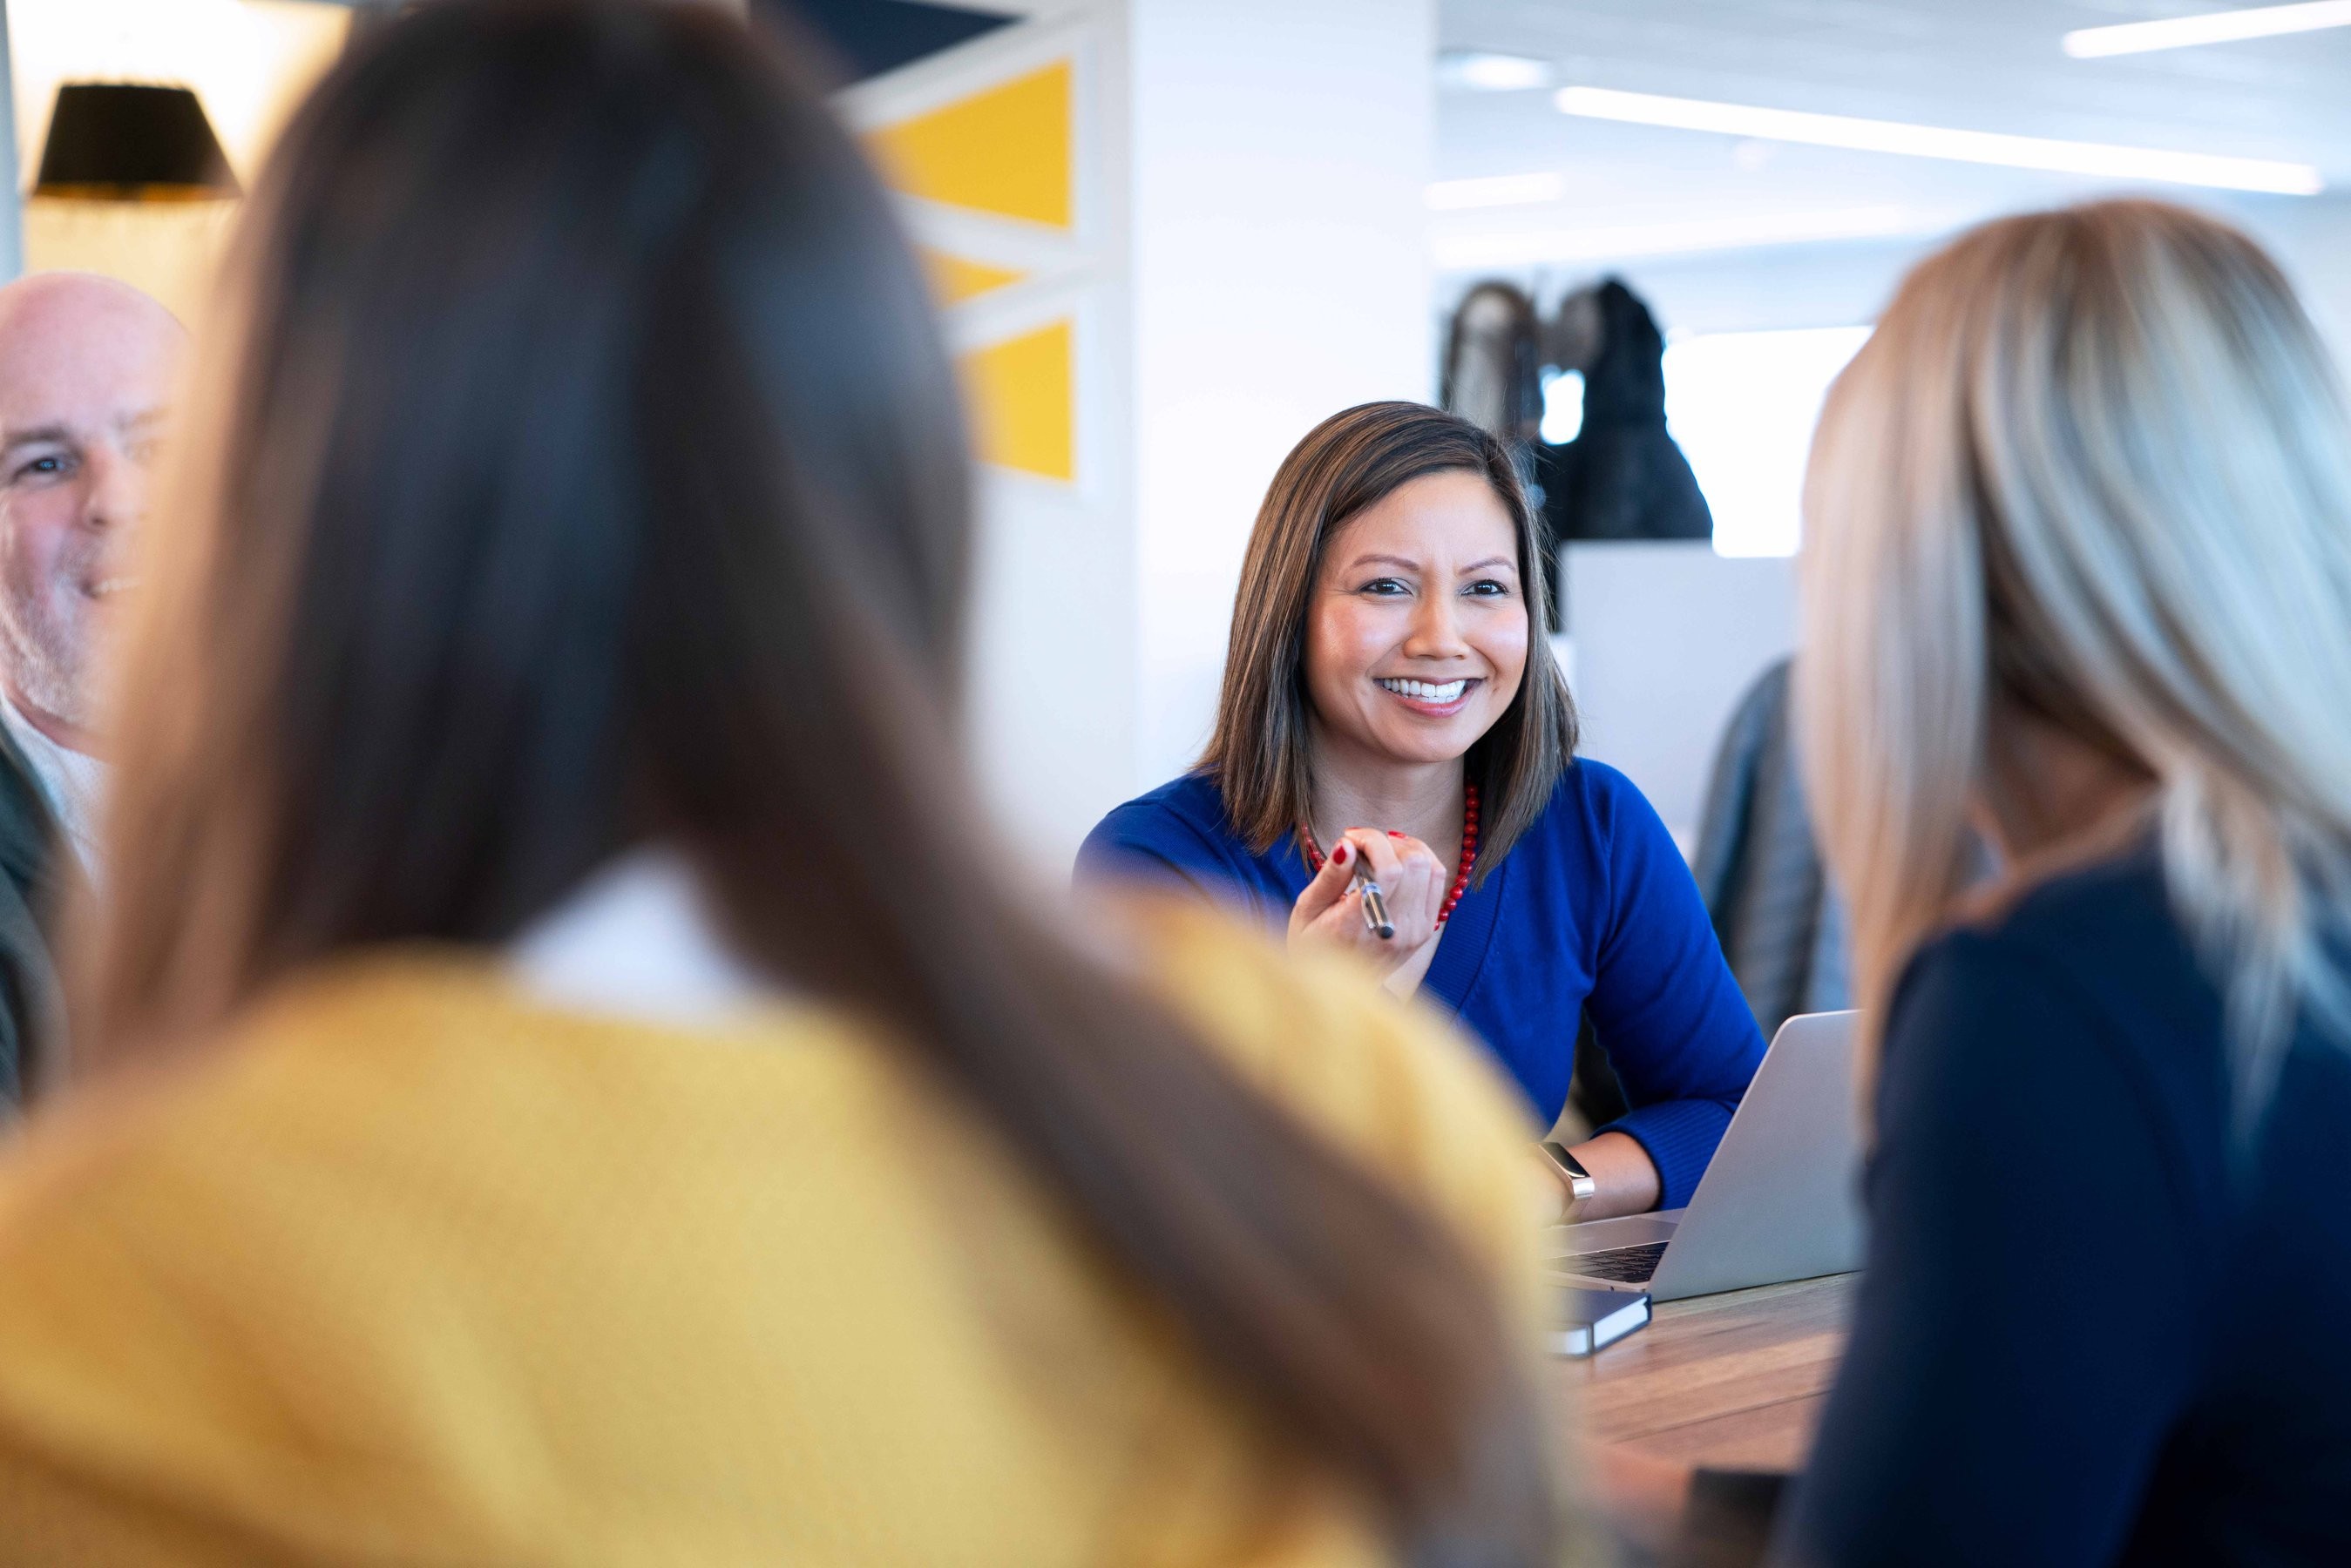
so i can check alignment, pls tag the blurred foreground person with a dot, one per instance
(86, 368)
(571, 1084)
(2078, 571)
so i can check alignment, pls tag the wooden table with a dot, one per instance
(1734, 1380)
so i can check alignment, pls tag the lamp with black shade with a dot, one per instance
(123, 142)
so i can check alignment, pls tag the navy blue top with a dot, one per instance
(2088, 1334)
(1593, 909)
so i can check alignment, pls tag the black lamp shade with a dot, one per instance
(116, 142)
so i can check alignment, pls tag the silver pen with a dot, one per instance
(1375, 909)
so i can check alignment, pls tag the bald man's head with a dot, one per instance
(86, 365)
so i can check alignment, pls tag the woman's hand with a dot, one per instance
(1413, 882)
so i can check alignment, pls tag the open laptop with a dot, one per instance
(1780, 1201)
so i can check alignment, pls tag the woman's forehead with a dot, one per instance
(1435, 519)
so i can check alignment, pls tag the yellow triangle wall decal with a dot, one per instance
(955, 279)
(1022, 402)
(1003, 150)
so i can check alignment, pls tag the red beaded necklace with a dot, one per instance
(1468, 851)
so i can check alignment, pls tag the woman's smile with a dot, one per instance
(1432, 699)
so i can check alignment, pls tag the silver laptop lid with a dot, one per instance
(1781, 1199)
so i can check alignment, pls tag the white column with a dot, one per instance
(1280, 150)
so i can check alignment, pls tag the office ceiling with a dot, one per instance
(1984, 64)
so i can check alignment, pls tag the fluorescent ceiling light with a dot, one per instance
(1939, 142)
(1496, 191)
(2212, 27)
(1481, 72)
(1461, 252)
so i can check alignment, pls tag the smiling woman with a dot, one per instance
(1379, 703)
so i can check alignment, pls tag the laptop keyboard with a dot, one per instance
(1631, 1266)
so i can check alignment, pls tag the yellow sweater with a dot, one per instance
(418, 1270)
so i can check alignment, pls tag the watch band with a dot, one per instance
(1580, 1187)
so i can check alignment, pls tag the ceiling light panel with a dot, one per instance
(1477, 71)
(2210, 28)
(1906, 139)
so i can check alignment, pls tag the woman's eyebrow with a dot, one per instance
(1407, 564)
(1490, 563)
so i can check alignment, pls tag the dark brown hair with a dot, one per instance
(1260, 753)
(585, 469)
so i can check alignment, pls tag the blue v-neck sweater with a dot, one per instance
(1591, 911)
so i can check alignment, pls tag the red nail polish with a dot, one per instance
(1339, 856)
(1393, 834)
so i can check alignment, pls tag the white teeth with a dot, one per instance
(106, 586)
(1427, 692)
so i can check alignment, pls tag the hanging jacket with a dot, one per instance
(1623, 477)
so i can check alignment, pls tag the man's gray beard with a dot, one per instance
(45, 661)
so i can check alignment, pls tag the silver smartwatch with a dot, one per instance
(1580, 1185)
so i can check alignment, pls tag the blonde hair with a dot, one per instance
(2094, 463)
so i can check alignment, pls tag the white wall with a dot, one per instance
(1666, 637)
(1280, 151)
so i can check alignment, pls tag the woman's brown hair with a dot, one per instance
(1261, 753)
(583, 470)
